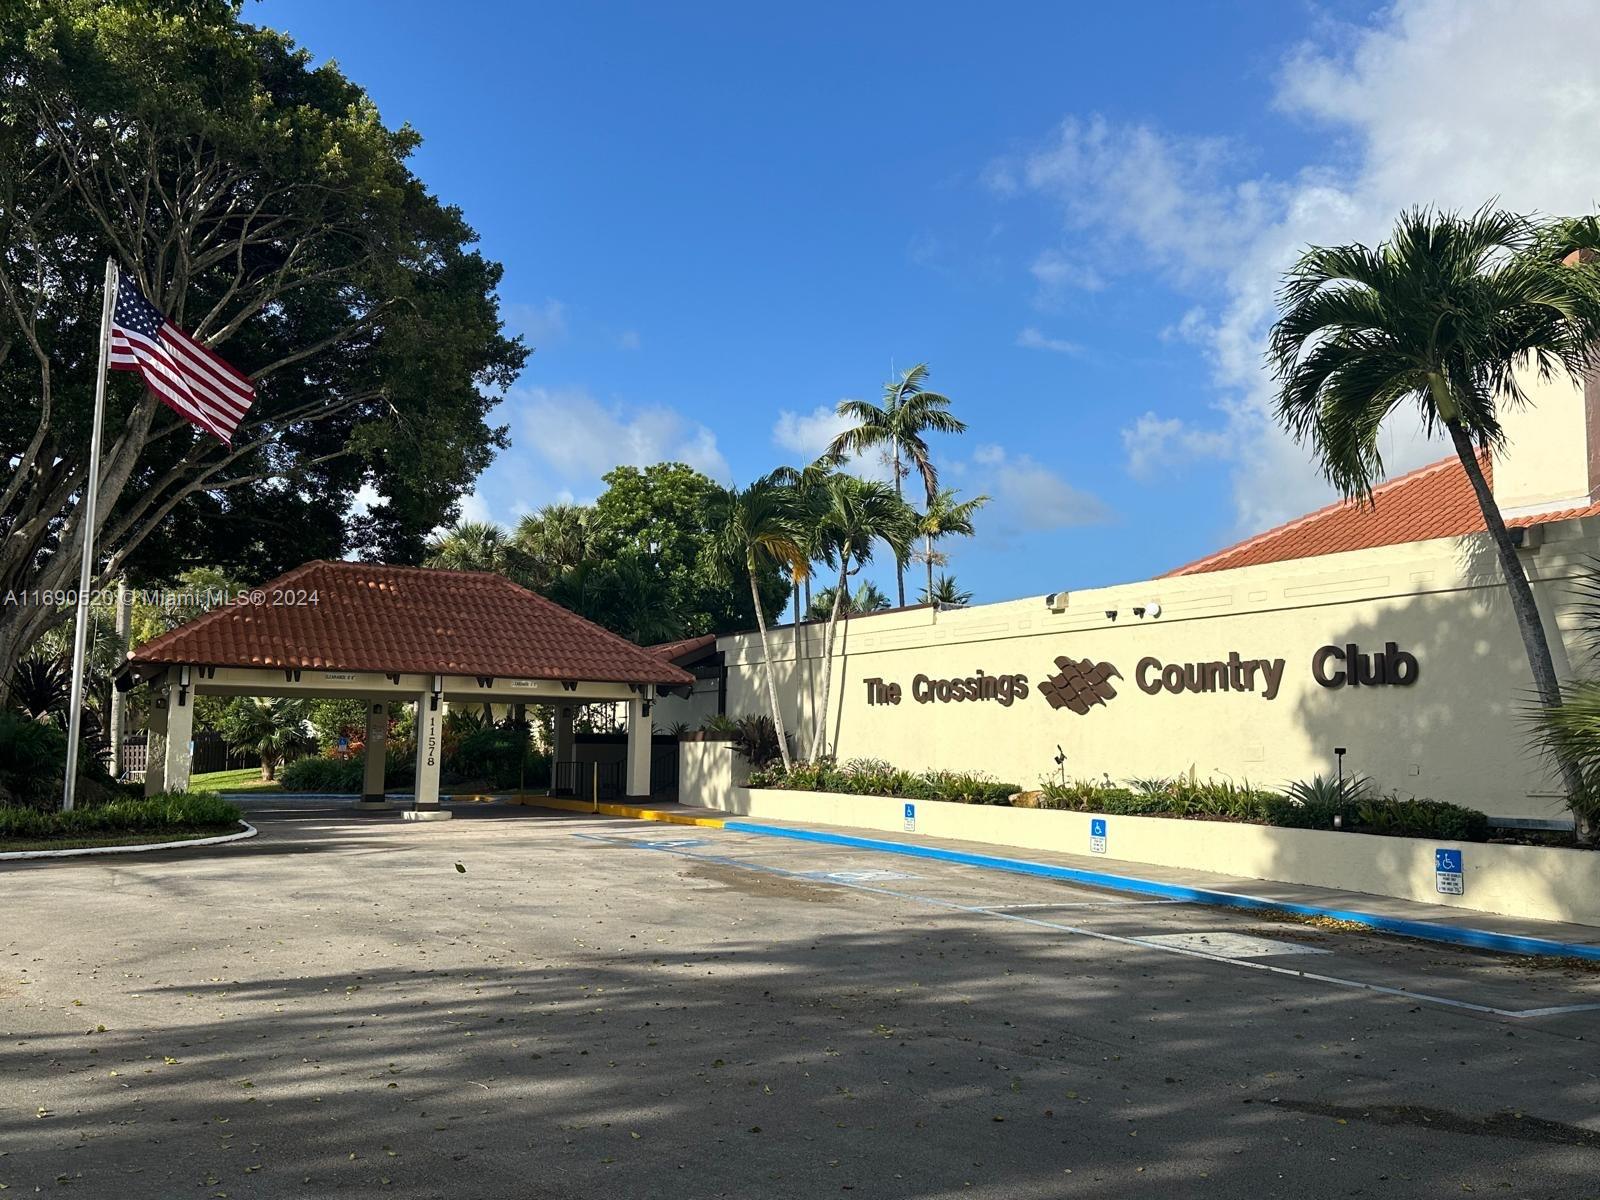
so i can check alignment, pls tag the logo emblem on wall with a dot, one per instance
(1078, 685)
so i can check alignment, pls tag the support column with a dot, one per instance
(376, 755)
(180, 736)
(562, 751)
(119, 703)
(638, 786)
(430, 749)
(155, 746)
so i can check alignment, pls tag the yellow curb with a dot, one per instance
(618, 810)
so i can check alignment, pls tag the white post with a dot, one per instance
(430, 749)
(86, 525)
(180, 733)
(119, 703)
(376, 754)
(155, 747)
(638, 749)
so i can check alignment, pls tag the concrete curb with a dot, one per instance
(618, 810)
(1479, 939)
(249, 831)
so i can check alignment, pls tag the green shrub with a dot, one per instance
(171, 812)
(503, 758)
(874, 777)
(322, 775)
(33, 759)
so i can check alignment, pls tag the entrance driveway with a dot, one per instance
(598, 1007)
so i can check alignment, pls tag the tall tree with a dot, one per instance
(1441, 316)
(858, 514)
(473, 546)
(945, 516)
(898, 426)
(261, 204)
(756, 529)
(554, 540)
(864, 599)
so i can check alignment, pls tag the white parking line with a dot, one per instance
(1117, 939)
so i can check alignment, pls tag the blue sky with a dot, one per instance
(717, 220)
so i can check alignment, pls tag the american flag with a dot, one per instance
(183, 374)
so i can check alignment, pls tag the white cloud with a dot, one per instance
(1409, 115)
(473, 508)
(578, 437)
(1026, 496)
(1153, 443)
(541, 324)
(1057, 273)
(1032, 338)
(806, 435)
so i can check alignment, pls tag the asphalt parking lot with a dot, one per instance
(600, 1007)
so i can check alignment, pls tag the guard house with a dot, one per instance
(398, 635)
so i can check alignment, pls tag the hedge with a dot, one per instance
(1184, 798)
(171, 812)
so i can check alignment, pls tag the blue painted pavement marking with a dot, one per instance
(1480, 939)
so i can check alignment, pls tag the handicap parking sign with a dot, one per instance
(911, 818)
(1097, 835)
(1448, 874)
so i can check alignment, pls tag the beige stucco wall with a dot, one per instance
(1519, 881)
(1551, 457)
(1455, 734)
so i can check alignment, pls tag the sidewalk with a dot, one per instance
(1433, 922)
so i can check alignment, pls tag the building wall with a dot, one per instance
(688, 711)
(1453, 733)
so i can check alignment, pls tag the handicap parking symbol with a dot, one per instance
(1448, 872)
(911, 818)
(1097, 835)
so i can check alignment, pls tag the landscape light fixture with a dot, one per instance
(1338, 754)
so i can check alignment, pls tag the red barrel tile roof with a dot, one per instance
(1435, 501)
(371, 617)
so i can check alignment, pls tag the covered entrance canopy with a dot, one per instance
(397, 635)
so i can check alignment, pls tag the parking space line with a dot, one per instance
(1097, 935)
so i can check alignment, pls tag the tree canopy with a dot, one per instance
(260, 202)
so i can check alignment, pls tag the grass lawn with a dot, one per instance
(246, 779)
(116, 839)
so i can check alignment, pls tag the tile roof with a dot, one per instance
(683, 647)
(1435, 501)
(371, 617)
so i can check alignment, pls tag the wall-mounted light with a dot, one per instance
(438, 690)
(1138, 611)
(1111, 614)
(1153, 609)
(183, 686)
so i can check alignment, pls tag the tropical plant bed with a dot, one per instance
(171, 817)
(1323, 805)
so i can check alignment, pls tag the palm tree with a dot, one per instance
(274, 727)
(945, 516)
(858, 513)
(554, 540)
(755, 528)
(1441, 316)
(472, 546)
(907, 413)
(865, 599)
(804, 488)
(946, 593)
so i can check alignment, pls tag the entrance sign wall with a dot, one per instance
(1406, 655)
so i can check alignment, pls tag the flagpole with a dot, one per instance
(91, 495)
